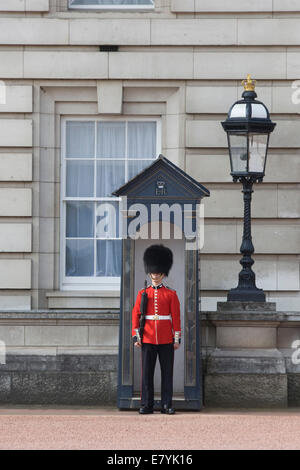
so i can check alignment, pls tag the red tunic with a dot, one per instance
(161, 301)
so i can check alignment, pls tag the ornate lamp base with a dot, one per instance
(246, 291)
(246, 295)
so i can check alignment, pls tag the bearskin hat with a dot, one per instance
(158, 259)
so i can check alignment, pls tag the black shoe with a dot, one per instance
(168, 411)
(144, 410)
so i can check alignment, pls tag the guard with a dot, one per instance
(160, 333)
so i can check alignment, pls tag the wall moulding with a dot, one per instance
(80, 98)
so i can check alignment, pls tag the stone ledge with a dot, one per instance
(94, 300)
(246, 307)
(88, 293)
(252, 317)
(60, 362)
(59, 315)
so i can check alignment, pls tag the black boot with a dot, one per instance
(144, 410)
(167, 411)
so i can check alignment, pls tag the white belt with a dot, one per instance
(158, 317)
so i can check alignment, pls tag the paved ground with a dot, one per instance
(110, 429)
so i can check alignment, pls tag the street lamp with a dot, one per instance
(248, 128)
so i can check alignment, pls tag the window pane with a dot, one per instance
(111, 2)
(142, 139)
(136, 166)
(111, 140)
(80, 258)
(110, 176)
(109, 257)
(238, 148)
(107, 219)
(80, 139)
(80, 219)
(123, 149)
(257, 152)
(80, 178)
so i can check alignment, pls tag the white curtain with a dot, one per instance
(123, 149)
(111, 137)
(79, 257)
(141, 139)
(80, 178)
(111, 143)
(80, 139)
(80, 219)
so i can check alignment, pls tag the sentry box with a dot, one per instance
(162, 204)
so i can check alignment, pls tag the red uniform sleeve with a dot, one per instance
(175, 312)
(136, 313)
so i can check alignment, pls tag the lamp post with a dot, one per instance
(248, 126)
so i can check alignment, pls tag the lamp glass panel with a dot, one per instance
(238, 152)
(238, 111)
(257, 152)
(258, 111)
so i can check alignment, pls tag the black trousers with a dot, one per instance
(165, 353)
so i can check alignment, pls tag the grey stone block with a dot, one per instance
(33, 387)
(87, 388)
(5, 387)
(27, 363)
(86, 363)
(42, 363)
(294, 389)
(61, 379)
(256, 361)
(246, 306)
(286, 336)
(246, 390)
(83, 388)
(291, 368)
(13, 364)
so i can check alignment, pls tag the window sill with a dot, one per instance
(104, 299)
(112, 8)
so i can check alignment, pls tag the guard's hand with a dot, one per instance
(176, 346)
(138, 344)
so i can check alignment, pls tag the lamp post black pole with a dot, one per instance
(248, 127)
(246, 287)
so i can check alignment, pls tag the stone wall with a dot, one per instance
(248, 358)
(59, 358)
(181, 63)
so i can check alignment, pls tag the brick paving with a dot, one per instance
(111, 429)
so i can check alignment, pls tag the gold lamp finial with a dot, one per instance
(249, 84)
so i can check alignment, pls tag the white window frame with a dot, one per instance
(110, 7)
(84, 282)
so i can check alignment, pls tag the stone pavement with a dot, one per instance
(111, 429)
